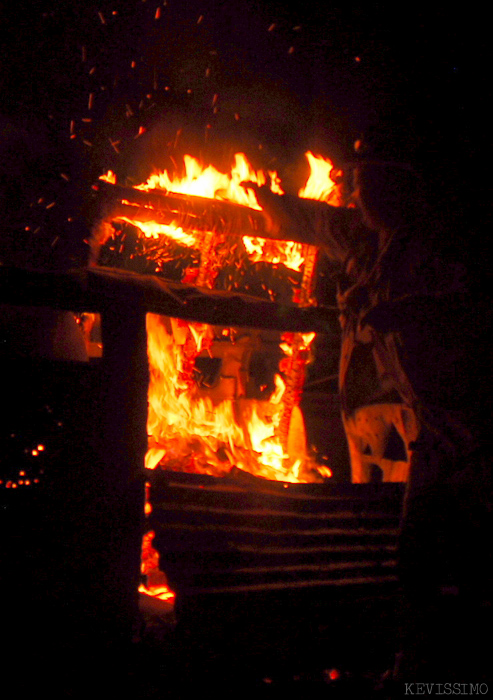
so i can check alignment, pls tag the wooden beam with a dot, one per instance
(98, 289)
(196, 214)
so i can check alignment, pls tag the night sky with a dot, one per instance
(127, 84)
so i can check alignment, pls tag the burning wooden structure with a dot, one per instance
(252, 535)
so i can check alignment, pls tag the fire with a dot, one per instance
(208, 424)
(151, 229)
(198, 430)
(210, 183)
(320, 184)
(156, 584)
(214, 427)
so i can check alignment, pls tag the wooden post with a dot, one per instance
(122, 445)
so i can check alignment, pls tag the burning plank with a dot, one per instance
(194, 214)
(208, 228)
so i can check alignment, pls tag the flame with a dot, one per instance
(320, 184)
(210, 183)
(194, 431)
(151, 229)
(109, 177)
(156, 584)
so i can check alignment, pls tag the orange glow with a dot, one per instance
(161, 592)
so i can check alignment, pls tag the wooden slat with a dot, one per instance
(216, 536)
(364, 581)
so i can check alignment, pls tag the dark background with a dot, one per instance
(210, 78)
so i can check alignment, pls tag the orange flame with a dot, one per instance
(209, 182)
(211, 434)
(156, 584)
(320, 184)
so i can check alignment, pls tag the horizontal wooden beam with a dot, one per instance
(195, 214)
(98, 289)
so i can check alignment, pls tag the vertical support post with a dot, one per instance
(122, 448)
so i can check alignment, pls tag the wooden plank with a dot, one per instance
(360, 582)
(97, 289)
(195, 214)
